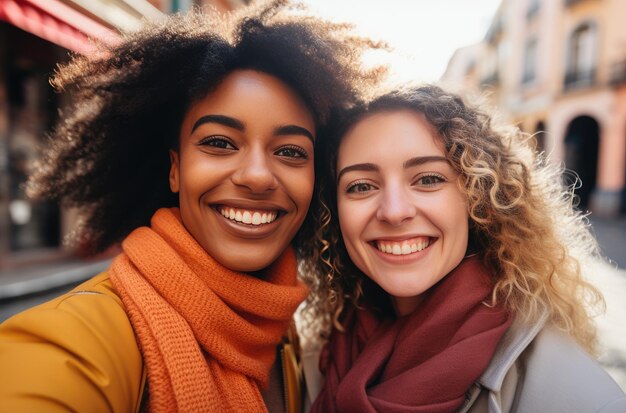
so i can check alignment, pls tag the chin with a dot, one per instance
(251, 264)
(403, 290)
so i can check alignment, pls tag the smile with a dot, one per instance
(248, 216)
(404, 247)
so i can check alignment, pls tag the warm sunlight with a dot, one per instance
(424, 34)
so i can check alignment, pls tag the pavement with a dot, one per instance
(22, 289)
(611, 281)
(44, 277)
(611, 235)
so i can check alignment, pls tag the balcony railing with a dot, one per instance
(579, 79)
(618, 73)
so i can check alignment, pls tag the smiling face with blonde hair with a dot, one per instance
(403, 218)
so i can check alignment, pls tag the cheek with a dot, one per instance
(455, 218)
(198, 175)
(306, 184)
(349, 223)
(299, 184)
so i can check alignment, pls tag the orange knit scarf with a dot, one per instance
(208, 335)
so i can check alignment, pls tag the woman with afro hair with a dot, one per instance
(192, 143)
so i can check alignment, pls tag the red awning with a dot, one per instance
(56, 22)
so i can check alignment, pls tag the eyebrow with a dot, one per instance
(366, 167)
(240, 126)
(370, 167)
(222, 120)
(293, 130)
(420, 160)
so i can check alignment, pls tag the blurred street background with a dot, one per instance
(554, 68)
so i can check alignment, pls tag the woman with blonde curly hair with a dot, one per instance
(191, 143)
(448, 268)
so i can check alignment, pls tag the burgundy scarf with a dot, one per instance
(423, 362)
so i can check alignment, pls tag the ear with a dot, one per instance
(174, 171)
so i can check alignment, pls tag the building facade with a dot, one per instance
(557, 68)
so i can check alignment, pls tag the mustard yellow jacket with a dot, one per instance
(75, 353)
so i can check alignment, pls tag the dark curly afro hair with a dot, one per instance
(108, 155)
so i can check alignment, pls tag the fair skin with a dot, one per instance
(244, 169)
(403, 218)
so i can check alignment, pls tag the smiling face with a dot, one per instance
(244, 170)
(403, 218)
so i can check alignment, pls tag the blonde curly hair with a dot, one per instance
(523, 221)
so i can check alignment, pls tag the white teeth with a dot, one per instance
(248, 217)
(402, 248)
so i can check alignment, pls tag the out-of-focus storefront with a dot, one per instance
(36, 36)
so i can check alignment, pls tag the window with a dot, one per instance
(530, 61)
(581, 56)
(533, 9)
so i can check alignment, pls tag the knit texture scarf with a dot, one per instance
(423, 362)
(208, 335)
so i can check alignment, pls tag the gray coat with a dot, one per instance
(539, 369)
(535, 369)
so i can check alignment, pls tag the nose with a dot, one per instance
(255, 172)
(396, 205)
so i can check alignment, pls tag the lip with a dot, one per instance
(248, 204)
(399, 238)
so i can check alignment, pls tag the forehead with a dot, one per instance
(395, 134)
(253, 96)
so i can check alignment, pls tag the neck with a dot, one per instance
(405, 305)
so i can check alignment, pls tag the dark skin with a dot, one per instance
(244, 169)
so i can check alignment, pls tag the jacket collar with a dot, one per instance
(513, 343)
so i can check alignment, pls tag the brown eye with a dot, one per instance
(360, 187)
(292, 152)
(219, 142)
(430, 180)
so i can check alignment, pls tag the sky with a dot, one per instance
(423, 33)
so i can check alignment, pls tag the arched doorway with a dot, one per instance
(581, 155)
(540, 136)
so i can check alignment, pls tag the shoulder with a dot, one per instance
(537, 368)
(560, 374)
(90, 312)
(74, 353)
